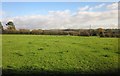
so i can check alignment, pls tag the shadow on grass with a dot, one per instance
(11, 72)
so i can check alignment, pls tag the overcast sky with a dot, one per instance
(60, 15)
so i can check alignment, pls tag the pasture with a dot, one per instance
(42, 54)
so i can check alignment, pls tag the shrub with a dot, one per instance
(73, 33)
(108, 35)
(84, 33)
(36, 31)
(93, 33)
(118, 35)
(101, 34)
(24, 31)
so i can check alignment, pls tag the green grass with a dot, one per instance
(38, 53)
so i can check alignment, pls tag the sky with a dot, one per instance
(59, 0)
(60, 15)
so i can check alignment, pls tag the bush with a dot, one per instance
(93, 33)
(37, 32)
(0, 31)
(101, 34)
(6, 31)
(24, 31)
(118, 35)
(73, 33)
(108, 35)
(84, 33)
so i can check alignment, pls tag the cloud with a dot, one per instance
(97, 6)
(100, 5)
(97, 18)
(113, 6)
(2, 13)
(84, 8)
(66, 19)
(87, 8)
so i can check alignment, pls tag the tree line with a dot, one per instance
(74, 32)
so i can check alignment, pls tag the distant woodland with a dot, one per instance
(73, 32)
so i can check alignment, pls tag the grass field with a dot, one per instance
(29, 54)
